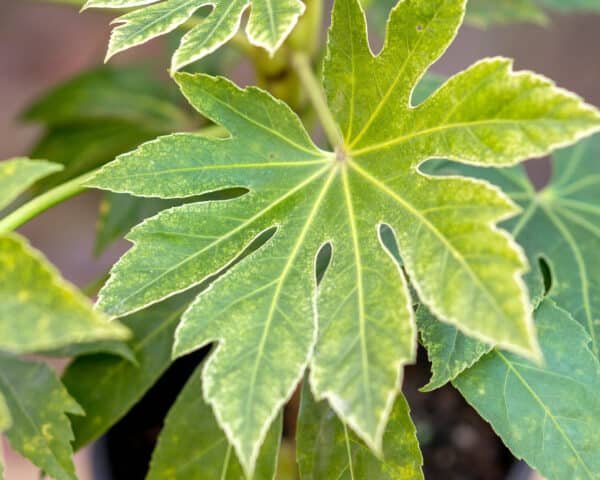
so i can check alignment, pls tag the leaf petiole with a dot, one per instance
(302, 66)
(44, 202)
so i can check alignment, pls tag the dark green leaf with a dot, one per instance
(548, 415)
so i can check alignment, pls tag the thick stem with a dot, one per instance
(302, 65)
(45, 201)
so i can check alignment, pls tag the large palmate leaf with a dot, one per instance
(38, 405)
(263, 312)
(557, 224)
(548, 415)
(484, 13)
(560, 225)
(269, 23)
(326, 449)
(192, 446)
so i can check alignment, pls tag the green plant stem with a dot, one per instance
(302, 66)
(43, 202)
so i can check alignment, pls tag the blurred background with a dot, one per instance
(42, 45)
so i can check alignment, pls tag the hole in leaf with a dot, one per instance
(546, 274)
(388, 238)
(226, 194)
(322, 261)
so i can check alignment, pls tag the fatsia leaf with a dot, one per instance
(263, 312)
(326, 449)
(39, 310)
(192, 446)
(38, 404)
(560, 225)
(107, 386)
(18, 174)
(82, 147)
(269, 23)
(548, 415)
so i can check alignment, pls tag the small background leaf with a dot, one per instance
(40, 311)
(38, 404)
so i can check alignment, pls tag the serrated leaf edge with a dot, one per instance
(272, 49)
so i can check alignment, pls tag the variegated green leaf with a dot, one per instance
(41, 311)
(192, 446)
(38, 404)
(269, 23)
(18, 174)
(263, 312)
(548, 415)
(327, 449)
